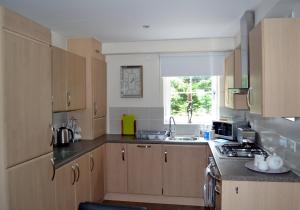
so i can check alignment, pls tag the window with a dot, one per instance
(191, 99)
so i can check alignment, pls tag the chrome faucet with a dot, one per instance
(172, 131)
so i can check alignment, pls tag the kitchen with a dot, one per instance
(85, 90)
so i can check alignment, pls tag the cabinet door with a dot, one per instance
(83, 180)
(145, 169)
(30, 185)
(59, 79)
(255, 88)
(27, 98)
(116, 168)
(97, 171)
(99, 89)
(65, 187)
(76, 82)
(238, 195)
(183, 170)
(99, 126)
(229, 78)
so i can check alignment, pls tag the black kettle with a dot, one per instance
(64, 136)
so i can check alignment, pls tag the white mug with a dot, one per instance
(258, 159)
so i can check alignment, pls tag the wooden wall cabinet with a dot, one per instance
(93, 119)
(274, 68)
(73, 184)
(233, 79)
(116, 168)
(97, 174)
(245, 195)
(25, 114)
(68, 80)
(183, 170)
(144, 169)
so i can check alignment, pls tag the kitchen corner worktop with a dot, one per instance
(64, 155)
(234, 170)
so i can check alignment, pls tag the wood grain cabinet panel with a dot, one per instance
(30, 185)
(97, 174)
(274, 61)
(144, 169)
(245, 195)
(116, 168)
(183, 170)
(68, 81)
(65, 187)
(26, 82)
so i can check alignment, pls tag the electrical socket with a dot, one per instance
(292, 145)
(283, 142)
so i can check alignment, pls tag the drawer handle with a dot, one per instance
(236, 190)
(166, 156)
(144, 146)
(95, 108)
(92, 164)
(53, 169)
(123, 154)
(78, 172)
(68, 98)
(74, 174)
(97, 51)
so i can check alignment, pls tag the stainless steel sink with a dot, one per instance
(182, 138)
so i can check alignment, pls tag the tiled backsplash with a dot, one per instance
(275, 134)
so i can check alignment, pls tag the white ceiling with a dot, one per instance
(122, 20)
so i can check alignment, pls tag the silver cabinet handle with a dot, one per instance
(248, 97)
(166, 156)
(78, 171)
(92, 163)
(52, 134)
(53, 169)
(74, 174)
(68, 98)
(236, 190)
(144, 146)
(123, 154)
(95, 108)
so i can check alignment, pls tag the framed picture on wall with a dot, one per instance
(131, 78)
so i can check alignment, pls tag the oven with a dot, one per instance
(212, 186)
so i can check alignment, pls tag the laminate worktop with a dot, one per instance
(64, 155)
(234, 169)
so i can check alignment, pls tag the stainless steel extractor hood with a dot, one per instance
(246, 23)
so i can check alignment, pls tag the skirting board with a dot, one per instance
(154, 199)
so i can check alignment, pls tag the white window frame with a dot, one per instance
(215, 102)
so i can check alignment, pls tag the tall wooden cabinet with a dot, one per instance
(144, 169)
(274, 60)
(233, 79)
(68, 81)
(93, 119)
(183, 170)
(25, 114)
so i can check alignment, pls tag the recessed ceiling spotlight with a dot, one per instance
(146, 26)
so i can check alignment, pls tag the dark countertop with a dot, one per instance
(64, 155)
(235, 170)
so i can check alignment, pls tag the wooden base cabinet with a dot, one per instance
(237, 195)
(97, 174)
(73, 184)
(116, 168)
(30, 185)
(183, 170)
(274, 60)
(144, 169)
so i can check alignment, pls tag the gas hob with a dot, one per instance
(240, 150)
